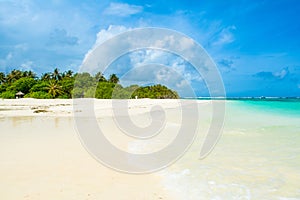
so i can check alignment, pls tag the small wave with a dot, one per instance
(186, 185)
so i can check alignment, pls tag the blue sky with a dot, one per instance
(255, 44)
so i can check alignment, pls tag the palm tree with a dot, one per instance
(68, 74)
(56, 75)
(28, 74)
(14, 75)
(46, 77)
(54, 89)
(2, 78)
(31, 74)
(24, 73)
(113, 78)
(100, 77)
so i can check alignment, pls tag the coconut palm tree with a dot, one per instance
(69, 73)
(14, 75)
(100, 77)
(28, 74)
(56, 75)
(31, 74)
(113, 78)
(2, 78)
(46, 77)
(54, 89)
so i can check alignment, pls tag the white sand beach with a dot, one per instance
(42, 156)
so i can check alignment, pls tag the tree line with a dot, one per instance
(65, 85)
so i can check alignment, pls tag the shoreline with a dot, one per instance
(64, 107)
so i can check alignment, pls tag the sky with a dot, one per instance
(254, 44)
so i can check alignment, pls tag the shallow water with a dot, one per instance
(257, 157)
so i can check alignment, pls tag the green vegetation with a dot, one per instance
(66, 85)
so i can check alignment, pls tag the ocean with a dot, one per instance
(257, 156)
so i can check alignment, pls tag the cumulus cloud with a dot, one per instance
(152, 66)
(122, 9)
(104, 35)
(149, 74)
(146, 56)
(178, 64)
(111, 31)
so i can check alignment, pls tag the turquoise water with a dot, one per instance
(285, 107)
(257, 157)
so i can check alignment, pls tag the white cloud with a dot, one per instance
(225, 36)
(122, 9)
(104, 35)
(281, 74)
(110, 32)
(157, 74)
(175, 42)
(148, 58)
(178, 64)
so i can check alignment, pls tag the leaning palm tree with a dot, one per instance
(54, 89)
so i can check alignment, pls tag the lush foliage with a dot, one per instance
(80, 85)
